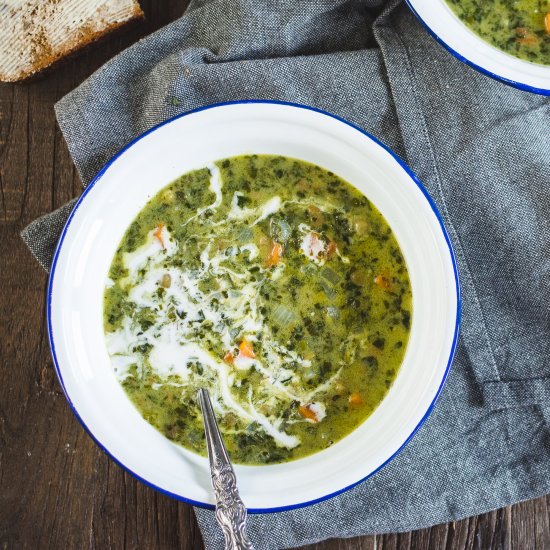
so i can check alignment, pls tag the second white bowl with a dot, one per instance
(470, 48)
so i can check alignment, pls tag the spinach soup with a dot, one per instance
(274, 284)
(519, 27)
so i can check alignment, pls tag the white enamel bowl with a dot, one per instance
(464, 44)
(191, 141)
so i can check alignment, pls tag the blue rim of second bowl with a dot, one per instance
(479, 68)
(98, 177)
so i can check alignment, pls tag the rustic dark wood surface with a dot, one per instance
(57, 489)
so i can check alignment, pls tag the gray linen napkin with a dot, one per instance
(482, 150)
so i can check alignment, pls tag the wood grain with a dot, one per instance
(57, 489)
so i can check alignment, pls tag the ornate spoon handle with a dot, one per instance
(230, 510)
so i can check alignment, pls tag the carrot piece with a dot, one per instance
(157, 233)
(246, 349)
(229, 357)
(306, 412)
(525, 36)
(382, 282)
(528, 40)
(355, 399)
(547, 22)
(275, 254)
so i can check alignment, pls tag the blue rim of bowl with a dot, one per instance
(98, 177)
(513, 83)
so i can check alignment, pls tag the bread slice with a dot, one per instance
(34, 34)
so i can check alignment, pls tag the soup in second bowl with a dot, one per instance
(274, 284)
(518, 27)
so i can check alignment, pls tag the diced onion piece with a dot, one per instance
(330, 275)
(280, 230)
(282, 315)
(245, 235)
(328, 290)
(333, 312)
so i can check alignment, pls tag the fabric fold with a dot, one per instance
(42, 235)
(520, 393)
(485, 162)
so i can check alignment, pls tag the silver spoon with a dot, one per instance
(230, 510)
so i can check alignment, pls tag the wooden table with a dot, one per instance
(57, 489)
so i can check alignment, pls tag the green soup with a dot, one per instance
(274, 284)
(519, 27)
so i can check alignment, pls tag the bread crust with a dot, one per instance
(41, 33)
